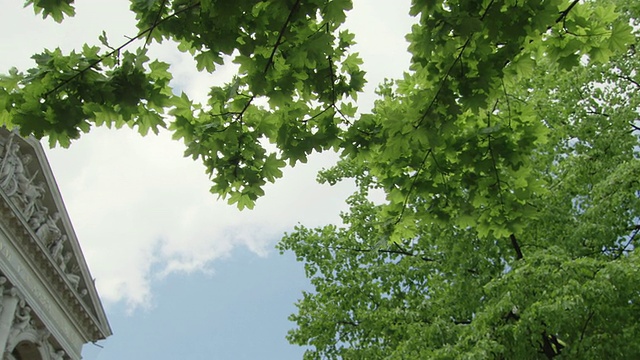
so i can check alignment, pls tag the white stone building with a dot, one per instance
(49, 306)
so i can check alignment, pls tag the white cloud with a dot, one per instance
(139, 208)
(136, 202)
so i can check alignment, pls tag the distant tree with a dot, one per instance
(507, 153)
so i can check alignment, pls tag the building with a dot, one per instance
(49, 306)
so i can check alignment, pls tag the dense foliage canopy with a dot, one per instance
(508, 154)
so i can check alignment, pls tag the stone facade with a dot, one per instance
(49, 306)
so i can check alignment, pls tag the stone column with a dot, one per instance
(9, 304)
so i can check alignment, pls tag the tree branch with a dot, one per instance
(280, 35)
(593, 112)
(384, 251)
(516, 246)
(413, 184)
(584, 327)
(352, 323)
(446, 75)
(155, 23)
(629, 79)
(624, 248)
(304, 121)
(563, 14)
(117, 50)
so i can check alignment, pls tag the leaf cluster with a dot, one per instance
(294, 88)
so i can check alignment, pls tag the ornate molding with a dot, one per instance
(24, 334)
(32, 211)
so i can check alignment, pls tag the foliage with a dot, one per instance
(512, 202)
(292, 57)
(507, 153)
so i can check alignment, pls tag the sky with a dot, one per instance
(180, 273)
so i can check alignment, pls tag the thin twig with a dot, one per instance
(624, 248)
(333, 81)
(155, 22)
(413, 184)
(270, 61)
(446, 75)
(506, 97)
(629, 79)
(566, 11)
(584, 329)
(280, 36)
(304, 121)
(384, 251)
(593, 112)
(117, 50)
(441, 85)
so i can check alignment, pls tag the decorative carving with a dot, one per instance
(18, 183)
(22, 181)
(56, 248)
(38, 217)
(43, 335)
(22, 320)
(58, 355)
(48, 231)
(25, 330)
(10, 303)
(3, 281)
(74, 279)
(30, 199)
(32, 214)
(8, 166)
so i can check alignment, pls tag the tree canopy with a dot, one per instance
(508, 154)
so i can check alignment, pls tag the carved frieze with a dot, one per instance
(20, 184)
(33, 218)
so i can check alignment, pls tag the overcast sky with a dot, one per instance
(180, 273)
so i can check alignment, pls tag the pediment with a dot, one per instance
(31, 207)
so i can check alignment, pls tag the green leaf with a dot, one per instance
(207, 60)
(621, 37)
(57, 9)
(271, 168)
